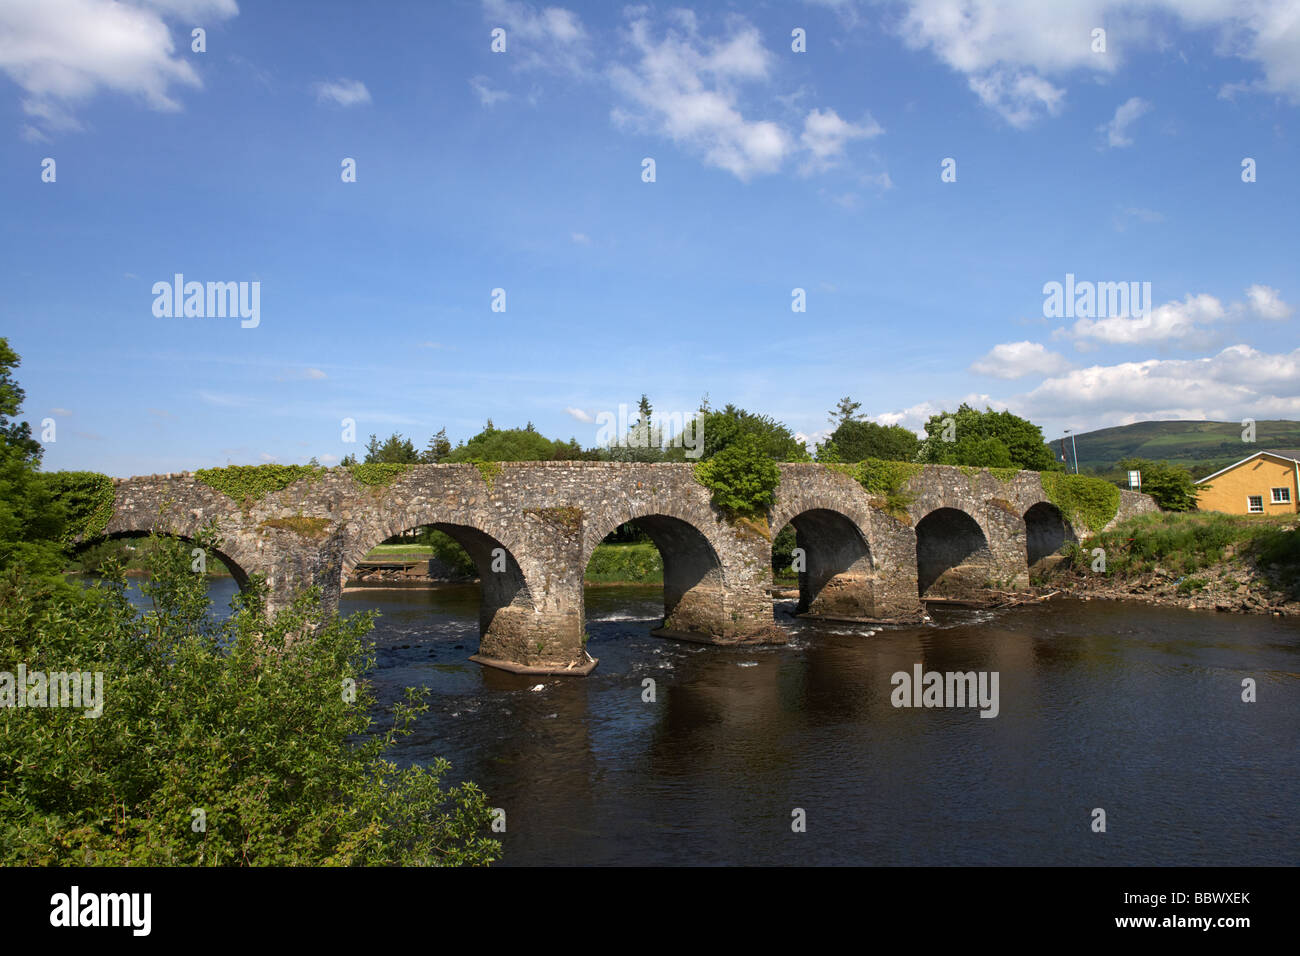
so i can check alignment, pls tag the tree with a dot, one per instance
(242, 719)
(396, 450)
(643, 441)
(508, 444)
(845, 411)
(856, 440)
(725, 427)
(1171, 486)
(986, 439)
(32, 520)
(437, 449)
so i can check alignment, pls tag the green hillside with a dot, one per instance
(1204, 447)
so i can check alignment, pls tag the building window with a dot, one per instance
(1255, 504)
(1281, 496)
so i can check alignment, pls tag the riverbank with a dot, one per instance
(1232, 563)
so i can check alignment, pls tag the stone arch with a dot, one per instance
(505, 598)
(953, 557)
(1046, 530)
(838, 578)
(693, 571)
(231, 556)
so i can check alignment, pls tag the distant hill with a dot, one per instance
(1204, 447)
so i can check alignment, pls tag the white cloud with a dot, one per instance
(1172, 321)
(486, 95)
(1020, 97)
(62, 52)
(1008, 48)
(825, 135)
(1125, 115)
(61, 412)
(1187, 322)
(810, 440)
(685, 87)
(580, 238)
(915, 416)
(1136, 214)
(550, 38)
(342, 92)
(580, 415)
(1018, 359)
(301, 375)
(688, 87)
(1266, 302)
(1237, 382)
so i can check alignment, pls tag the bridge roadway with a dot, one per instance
(531, 529)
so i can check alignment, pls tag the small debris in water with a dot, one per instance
(748, 664)
(538, 687)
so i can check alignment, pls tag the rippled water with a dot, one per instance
(1133, 709)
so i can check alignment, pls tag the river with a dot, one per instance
(1133, 709)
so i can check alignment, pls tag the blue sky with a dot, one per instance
(522, 170)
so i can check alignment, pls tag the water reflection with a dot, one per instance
(1134, 709)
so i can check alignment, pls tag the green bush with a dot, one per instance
(1183, 544)
(783, 546)
(1085, 502)
(249, 483)
(637, 563)
(741, 477)
(247, 720)
(87, 500)
(887, 481)
(1171, 486)
(447, 550)
(377, 473)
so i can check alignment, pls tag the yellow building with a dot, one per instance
(1266, 483)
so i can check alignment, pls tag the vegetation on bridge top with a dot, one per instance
(741, 479)
(1086, 502)
(377, 473)
(248, 483)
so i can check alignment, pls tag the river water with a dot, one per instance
(1128, 708)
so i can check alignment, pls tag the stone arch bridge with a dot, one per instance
(532, 527)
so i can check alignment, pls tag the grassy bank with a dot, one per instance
(635, 563)
(1206, 559)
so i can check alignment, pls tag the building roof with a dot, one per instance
(1289, 454)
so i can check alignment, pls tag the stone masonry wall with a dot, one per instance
(532, 528)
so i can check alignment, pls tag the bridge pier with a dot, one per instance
(531, 618)
(845, 580)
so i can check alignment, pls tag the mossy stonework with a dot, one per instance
(531, 532)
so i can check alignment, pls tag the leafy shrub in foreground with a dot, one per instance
(246, 726)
